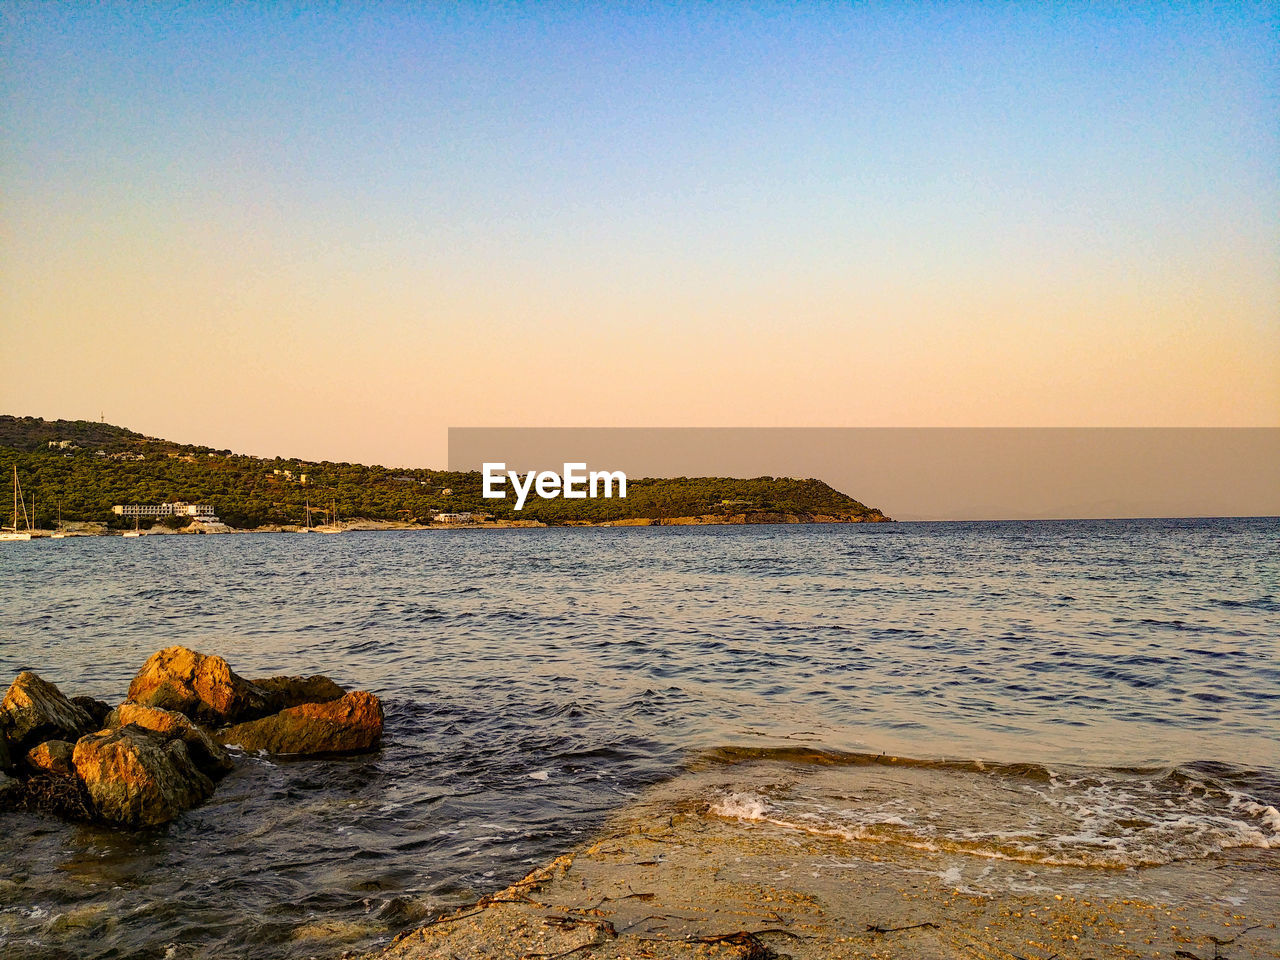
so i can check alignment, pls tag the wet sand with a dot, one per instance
(668, 877)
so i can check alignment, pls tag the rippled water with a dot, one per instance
(1118, 680)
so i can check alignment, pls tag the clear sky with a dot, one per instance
(334, 233)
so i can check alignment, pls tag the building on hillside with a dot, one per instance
(201, 511)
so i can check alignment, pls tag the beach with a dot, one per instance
(682, 875)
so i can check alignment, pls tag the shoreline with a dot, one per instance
(673, 875)
(369, 526)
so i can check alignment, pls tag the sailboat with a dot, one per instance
(331, 520)
(136, 531)
(59, 533)
(13, 533)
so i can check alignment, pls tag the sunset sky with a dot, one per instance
(335, 234)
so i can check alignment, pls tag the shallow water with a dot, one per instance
(534, 680)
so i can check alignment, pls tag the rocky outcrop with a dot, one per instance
(96, 709)
(285, 692)
(52, 757)
(203, 688)
(208, 528)
(35, 710)
(152, 757)
(351, 724)
(207, 753)
(136, 778)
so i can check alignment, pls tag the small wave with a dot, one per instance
(1096, 819)
(751, 808)
(821, 757)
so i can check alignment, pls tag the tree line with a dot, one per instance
(106, 465)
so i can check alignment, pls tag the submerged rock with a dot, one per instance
(351, 724)
(285, 692)
(35, 710)
(52, 757)
(96, 709)
(203, 688)
(207, 753)
(137, 778)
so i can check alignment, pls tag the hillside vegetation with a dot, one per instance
(84, 468)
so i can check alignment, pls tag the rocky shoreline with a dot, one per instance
(676, 876)
(677, 873)
(705, 520)
(186, 718)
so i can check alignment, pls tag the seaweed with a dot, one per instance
(65, 797)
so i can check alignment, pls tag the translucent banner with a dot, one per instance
(933, 473)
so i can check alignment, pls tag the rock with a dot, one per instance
(34, 710)
(350, 724)
(203, 688)
(286, 692)
(207, 753)
(96, 709)
(6, 761)
(137, 778)
(52, 757)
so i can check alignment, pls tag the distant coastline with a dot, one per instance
(367, 526)
(86, 478)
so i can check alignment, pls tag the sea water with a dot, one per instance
(1099, 694)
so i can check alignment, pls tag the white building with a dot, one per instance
(179, 509)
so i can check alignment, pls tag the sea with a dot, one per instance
(1098, 694)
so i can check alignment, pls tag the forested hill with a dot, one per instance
(31, 434)
(83, 468)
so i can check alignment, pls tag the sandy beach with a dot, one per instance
(673, 876)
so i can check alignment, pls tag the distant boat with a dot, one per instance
(135, 532)
(59, 533)
(12, 532)
(330, 524)
(331, 520)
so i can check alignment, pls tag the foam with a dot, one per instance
(1108, 821)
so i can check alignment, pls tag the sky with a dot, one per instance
(334, 231)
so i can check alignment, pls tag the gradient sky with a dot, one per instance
(333, 234)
